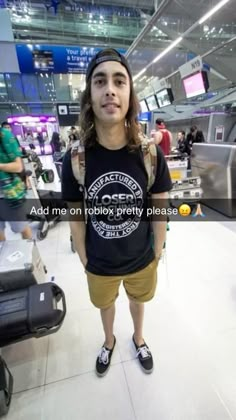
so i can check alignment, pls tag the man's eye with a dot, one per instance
(120, 82)
(99, 82)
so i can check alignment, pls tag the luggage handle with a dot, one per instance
(9, 389)
(44, 330)
(62, 298)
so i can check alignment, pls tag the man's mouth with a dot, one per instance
(110, 105)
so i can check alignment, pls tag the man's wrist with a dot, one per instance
(158, 256)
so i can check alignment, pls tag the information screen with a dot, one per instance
(164, 97)
(194, 85)
(143, 105)
(152, 103)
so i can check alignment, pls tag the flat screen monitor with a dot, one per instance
(164, 97)
(143, 106)
(152, 102)
(196, 84)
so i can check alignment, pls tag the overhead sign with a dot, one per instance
(35, 58)
(191, 66)
(160, 84)
(68, 114)
(145, 116)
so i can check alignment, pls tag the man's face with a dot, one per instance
(180, 136)
(7, 127)
(110, 93)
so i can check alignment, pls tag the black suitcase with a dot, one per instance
(6, 387)
(51, 200)
(31, 312)
(20, 265)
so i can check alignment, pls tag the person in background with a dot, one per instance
(6, 125)
(194, 136)
(29, 138)
(162, 137)
(41, 142)
(11, 185)
(56, 151)
(55, 143)
(181, 142)
(73, 136)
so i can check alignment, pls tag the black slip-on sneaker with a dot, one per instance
(145, 357)
(104, 359)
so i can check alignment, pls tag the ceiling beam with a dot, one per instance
(163, 6)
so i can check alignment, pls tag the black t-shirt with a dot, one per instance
(116, 244)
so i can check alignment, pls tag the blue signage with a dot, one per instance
(35, 58)
(145, 116)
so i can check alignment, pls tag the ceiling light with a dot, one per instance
(171, 46)
(139, 74)
(212, 11)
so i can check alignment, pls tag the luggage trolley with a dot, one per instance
(185, 189)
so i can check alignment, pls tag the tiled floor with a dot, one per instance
(190, 327)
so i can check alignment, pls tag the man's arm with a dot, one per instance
(13, 167)
(171, 139)
(157, 137)
(159, 226)
(78, 230)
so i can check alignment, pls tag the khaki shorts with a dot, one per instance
(139, 286)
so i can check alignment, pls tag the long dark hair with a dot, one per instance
(88, 135)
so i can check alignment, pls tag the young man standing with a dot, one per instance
(162, 137)
(115, 246)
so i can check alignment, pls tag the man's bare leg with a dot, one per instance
(108, 316)
(137, 313)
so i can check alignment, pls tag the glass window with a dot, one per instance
(5, 112)
(30, 87)
(62, 87)
(46, 88)
(14, 87)
(3, 89)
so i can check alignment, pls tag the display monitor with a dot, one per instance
(152, 102)
(143, 105)
(196, 84)
(164, 97)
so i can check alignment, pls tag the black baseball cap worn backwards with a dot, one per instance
(107, 55)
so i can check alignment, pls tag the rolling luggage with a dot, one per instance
(31, 312)
(20, 265)
(48, 176)
(6, 387)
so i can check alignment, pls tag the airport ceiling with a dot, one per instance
(145, 28)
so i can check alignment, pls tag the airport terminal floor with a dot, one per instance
(189, 326)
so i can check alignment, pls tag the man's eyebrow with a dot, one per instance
(117, 74)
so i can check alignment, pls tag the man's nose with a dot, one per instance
(110, 91)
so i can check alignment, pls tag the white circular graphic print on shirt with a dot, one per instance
(114, 205)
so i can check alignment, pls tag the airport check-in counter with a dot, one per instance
(216, 165)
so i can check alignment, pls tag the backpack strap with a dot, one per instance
(78, 162)
(149, 151)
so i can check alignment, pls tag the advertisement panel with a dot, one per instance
(35, 58)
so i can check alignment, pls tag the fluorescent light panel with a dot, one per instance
(213, 10)
(171, 46)
(139, 74)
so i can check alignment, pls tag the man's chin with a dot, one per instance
(110, 120)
